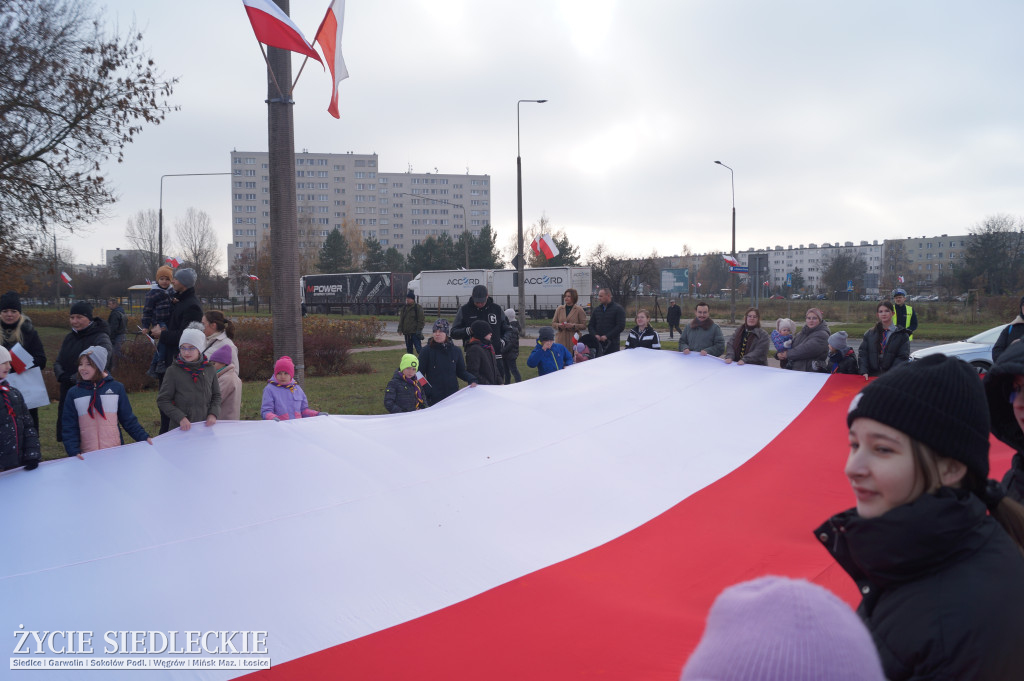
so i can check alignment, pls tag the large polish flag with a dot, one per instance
(275, 28)
(329, 37)
(578, 525)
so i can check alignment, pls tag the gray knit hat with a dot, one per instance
(838, 340)
(780, 629)
(186, 276)
(97, 354)
(546, 333)
(937, 401)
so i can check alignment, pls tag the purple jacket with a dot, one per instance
(285, 402)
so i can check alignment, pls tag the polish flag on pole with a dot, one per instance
(275, 28)
(545, 245)
(66, 278)
(733, 262)
(329, 37)
(173, 262)
(254, 277)
(901, 278)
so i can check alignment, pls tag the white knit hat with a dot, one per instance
(193, 335)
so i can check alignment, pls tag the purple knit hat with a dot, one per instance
(221, 355)
(781, 629)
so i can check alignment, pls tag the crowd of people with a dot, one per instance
(935, 548)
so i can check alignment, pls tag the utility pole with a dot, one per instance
(286, 314)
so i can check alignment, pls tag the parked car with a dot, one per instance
(976, 350)
(778, 297)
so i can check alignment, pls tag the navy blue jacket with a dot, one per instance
(443, 365)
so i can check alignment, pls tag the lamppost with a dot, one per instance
(732, 275)
(521, 261)
(160, 219)
(465, 223)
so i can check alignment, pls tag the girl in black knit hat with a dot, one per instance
(1004, 388)
(933, 546)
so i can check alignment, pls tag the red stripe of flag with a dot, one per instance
(329, 37)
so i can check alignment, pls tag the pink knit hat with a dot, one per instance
(284, 364)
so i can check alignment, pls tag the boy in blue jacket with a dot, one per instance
(548, 356)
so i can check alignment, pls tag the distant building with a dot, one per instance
(332, 190)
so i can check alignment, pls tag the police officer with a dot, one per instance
(905, 315)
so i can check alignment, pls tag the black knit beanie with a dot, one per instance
(998, 384)
(83, 308)
(937, 401)
(479, 329)
(10, 301)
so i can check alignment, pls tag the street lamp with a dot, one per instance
(519, 197)
(160, 220)
(465, 223)
(732, 275)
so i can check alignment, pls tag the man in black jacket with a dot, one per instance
(118, 323)
(607, 321)
(674, 315)
(480, 306)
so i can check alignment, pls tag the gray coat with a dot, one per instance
(695, 339)
(809, 346)
(181, 397)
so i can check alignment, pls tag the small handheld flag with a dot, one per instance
(421, 379)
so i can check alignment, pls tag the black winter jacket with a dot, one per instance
(897, 351)
(29, 340)
(481, 362)
(608, 321)
(511, 350)
(675, 313)
(490, 313)
(942, 586)
(66, 366)
(1013, 332)
(998, 384)
(842, 362)
(400, 395)
(185, 309)
(443, 365)
(118, 322)
(19, 441)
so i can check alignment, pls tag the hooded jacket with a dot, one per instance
(842, 362)
(490, 313)
(185, 309)
(443, 364)
(897, 351)
(808, 346)
(157, 308)
(100, 429)
(942, 587)
(998, 384)
(19, 441)
(482, 363)
(180, 397)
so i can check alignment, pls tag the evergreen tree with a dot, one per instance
(335, 255)
(483, 251)
(373, 256)
(394, 261)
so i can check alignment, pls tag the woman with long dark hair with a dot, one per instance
(885, 345)
(749, 343)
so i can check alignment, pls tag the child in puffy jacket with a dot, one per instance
(97, 408)
(283, 398)
(842, 359)
(19, 439)
(403, 392)
(156, 310)
(548, 356)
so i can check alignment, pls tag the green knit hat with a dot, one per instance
(409, 361)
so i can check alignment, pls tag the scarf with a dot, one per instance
(421, 403)
(193, 369)
(740, 346)
(706, 324)
(291, 385)
(95, 405)
(568, 309)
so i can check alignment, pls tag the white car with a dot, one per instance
(976, 350)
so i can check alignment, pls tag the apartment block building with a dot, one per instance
(813, 258)
(333, 190)
(921, 261)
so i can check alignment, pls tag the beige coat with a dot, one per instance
(577, 318)
(230, 393)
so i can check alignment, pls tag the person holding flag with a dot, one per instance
(16, 330)
(404, 391)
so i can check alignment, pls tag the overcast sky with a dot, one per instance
(842, 121)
